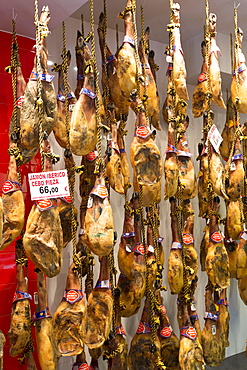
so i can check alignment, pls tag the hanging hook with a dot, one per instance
(14, 16)
(236, 7)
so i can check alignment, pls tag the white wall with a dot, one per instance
(238, 324)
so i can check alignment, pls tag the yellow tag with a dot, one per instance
(200, 174)
(230, 123)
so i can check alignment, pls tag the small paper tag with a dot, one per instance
(71, 107)
(243, 236)
(215, 137)
(169, 59)
(35, 297)
(90, 202)
(213, 329)
(193, 307)
(128, 248)
(233, 166)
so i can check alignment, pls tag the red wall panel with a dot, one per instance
(7, 256)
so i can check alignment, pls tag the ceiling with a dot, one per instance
(156, 14)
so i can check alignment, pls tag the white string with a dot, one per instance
(14, 16)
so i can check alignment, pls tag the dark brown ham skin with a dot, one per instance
(96, 322)
(175, 263)
(29, 121)
(47, 349)
(199, 95)
(228, 130)
(20, 322)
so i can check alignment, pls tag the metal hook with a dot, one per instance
(14, 16)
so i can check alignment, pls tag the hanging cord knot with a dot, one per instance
(89, 67)
(122, 14)
(54, 157)
(56, 67)
(17, 154)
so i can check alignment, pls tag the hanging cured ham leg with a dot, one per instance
(235, 183)
(2, 343)
(96, 321)
(171, 164)
(124, 162)
(175, 262)
(99, 235)
(168, 340)
(68, 316)
(13, 204)
(64, 205)
(234, 221)
(145, 158)
(240, 68)
(203, 173)
(27, 154)
(113, 167)
(199, 102)
(140, 355)
(232, 250)
(189, 251)
(153, 101)
(118, 343)
(29, 121)
(43, 239)
(132, 287)
(179, 70)
(59, 129)
(241, 260)
(190, 351)
(228, 130)
(211, 341)
(223, 318)
(20, 322)
(47, 349)
(30, 362)
(83, 126)
(115, 94)
(187, 175)
(217, 261)
(242, 289)
(214, 69)
(126, 68)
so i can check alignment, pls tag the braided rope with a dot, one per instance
(65, 69)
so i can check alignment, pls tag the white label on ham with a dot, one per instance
(244, 236)
(90, 202)
(46, 185)
(233, 166)
(215, 137)
(214, 329)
